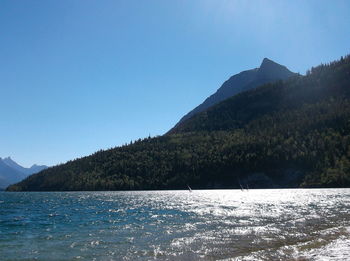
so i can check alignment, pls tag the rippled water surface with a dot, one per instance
(176, 225)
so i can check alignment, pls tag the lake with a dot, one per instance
(287, 224)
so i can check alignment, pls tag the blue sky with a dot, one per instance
(79, 76)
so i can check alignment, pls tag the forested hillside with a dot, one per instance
(288, 134)
(269, 71)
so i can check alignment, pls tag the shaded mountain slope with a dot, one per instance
(11, 172)
(9, 175)
(269, 71)
(27, 171)
(287, 134)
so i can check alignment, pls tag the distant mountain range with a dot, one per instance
(269, 71)
(282, 134)
(11, 172)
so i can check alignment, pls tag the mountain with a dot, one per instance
(291, 133)
(9, 175)
(27, 171)
(36, 168)
(11, 172)
(269, 71)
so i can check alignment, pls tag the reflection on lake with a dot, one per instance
(305, 224)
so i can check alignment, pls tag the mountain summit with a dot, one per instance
(11, 172)
(269, 71)
(272, 70)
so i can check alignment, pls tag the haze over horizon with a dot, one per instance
(77, 77)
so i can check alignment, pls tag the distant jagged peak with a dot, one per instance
(37, 166)
(9, 160)
(14, 165)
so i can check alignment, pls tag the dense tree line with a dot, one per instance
(286, 134)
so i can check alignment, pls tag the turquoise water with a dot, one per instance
(176, 225)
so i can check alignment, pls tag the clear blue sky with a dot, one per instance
(79, 76)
